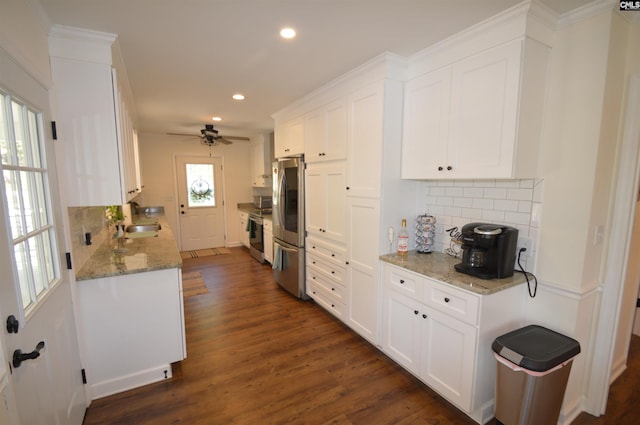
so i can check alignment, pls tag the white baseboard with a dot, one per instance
(128, 382)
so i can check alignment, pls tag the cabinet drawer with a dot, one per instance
(404, 282)
(327, 302)
(326, 250)
(318, 266)
(451, 301)
(330, 289)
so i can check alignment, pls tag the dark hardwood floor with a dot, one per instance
(257, 356)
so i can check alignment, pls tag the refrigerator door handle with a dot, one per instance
(285, 248)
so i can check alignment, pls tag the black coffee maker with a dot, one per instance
(488, 250)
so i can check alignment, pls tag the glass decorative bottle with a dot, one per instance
(403, 239)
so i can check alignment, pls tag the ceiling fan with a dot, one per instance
(209, 136)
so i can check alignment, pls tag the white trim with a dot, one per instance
(587, 11)
(617, 257)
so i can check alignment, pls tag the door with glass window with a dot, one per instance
(201, 214)
(43, 369)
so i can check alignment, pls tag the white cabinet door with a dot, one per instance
(94, 123)
(363, 222)
(401, 330)
(289, 138)
(268, 240)
(447, 356)
(325, 200)
(484, 111)
(244, 233)
(426, 124)
(133, 329)
(260, 162)
(480, 117)
(365, 117)
(325, 132)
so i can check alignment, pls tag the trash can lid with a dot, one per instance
(535, 348)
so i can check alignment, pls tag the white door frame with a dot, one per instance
(622, 217)
(177, 195)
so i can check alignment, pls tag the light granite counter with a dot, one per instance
(140, 255)
(250, 209)
(439, 266)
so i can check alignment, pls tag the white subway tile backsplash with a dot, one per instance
(472, 192)
(495, 193)
(517, 218)
(493, 216)
(455, 203)
(520, 194)
(481, 203)
(506, 205)
(463, 202)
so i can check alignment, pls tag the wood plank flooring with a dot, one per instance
(257, 356)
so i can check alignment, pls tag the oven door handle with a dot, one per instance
(282, 247)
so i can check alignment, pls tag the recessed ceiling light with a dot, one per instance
(238, 96)
(216, 119)
(287, 33)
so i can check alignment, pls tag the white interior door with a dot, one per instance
(34, 288)
(200, 197)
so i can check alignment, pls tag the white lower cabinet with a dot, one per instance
(443, 335)
(244, 233)
(267, 234)
(132, 329)
(326, 276)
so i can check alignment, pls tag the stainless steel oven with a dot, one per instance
(256, 237)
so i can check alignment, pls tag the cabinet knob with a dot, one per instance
(449, 168)
(446, 300)
(424, 316)
(313, 262)
(401, 281)
(346, 262)
(333, 289)
(440, 168)
(332, 272)
(333, 305)
(416, 312)
(333, 255)
(347, 187)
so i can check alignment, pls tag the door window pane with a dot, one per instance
(200, 185)
(28, 205)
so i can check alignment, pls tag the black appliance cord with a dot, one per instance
(532, 294)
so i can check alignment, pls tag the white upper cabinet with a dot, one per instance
(326, 132)
(366, 124)
(325, 203)
(97, 147)
(261, 175)
(480, 117)
(289, 138)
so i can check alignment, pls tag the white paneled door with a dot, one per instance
(41, 377)
(200, 198)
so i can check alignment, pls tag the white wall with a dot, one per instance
(157, 160)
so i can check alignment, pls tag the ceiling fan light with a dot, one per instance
(216, 119)
(287, 33)
(238, 96)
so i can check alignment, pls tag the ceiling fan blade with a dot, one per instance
(244, 139)
(183, 134)
(224, 140)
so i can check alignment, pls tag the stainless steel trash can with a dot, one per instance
(533, 369)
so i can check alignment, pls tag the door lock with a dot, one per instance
(13, 325)
(19, 356)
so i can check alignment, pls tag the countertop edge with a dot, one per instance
(439, 266)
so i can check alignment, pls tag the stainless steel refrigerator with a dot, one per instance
(288, 225)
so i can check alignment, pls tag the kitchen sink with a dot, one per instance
(151, 211)
(133, 228)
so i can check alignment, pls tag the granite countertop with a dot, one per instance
(439, 266)
(250, 209)
(141, 255)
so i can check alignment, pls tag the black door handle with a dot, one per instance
(19, 356)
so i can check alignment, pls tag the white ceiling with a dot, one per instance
(185, 58)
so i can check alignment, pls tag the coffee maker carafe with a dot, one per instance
(488, 250)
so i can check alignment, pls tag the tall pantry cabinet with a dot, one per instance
(347, 226)
(97, 146)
